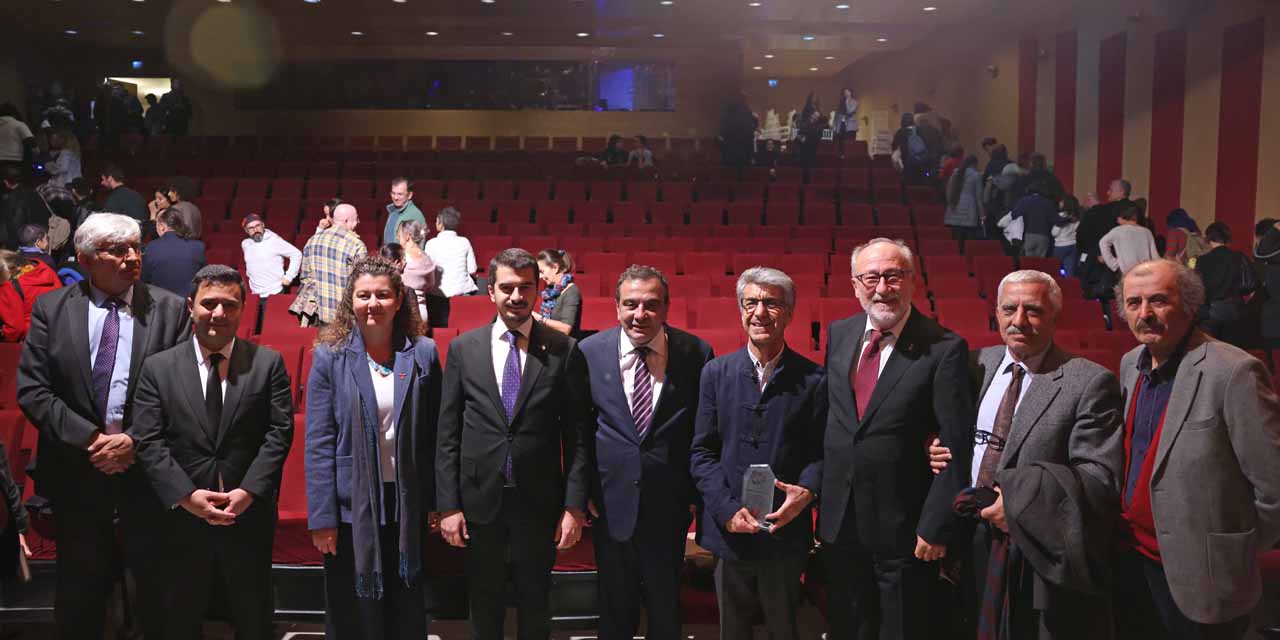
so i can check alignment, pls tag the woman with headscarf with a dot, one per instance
(372, 399)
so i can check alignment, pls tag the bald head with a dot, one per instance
(345, 215)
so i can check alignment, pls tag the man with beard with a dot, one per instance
(894, 377)
(265, 257)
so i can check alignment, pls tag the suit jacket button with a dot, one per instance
(510, 438)
(636, 483)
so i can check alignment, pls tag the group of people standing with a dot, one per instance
(1061, 498)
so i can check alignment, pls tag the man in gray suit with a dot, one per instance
(1047, 458)
(1202, 484)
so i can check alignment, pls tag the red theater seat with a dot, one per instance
(606, 191)
(571, 190)
(641, 191)
(713, 313)
(677, 192)
(705, 263)
(292, 544)
(628, 213)
(469, 312)
(963, 315)
(723, 340)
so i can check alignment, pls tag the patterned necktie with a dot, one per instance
(213, 395)
(641, 391)
(864, 379)
(1004, 422)
(105, 362)
(510, 391)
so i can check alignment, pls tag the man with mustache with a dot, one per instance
(265, 256)
(894, 377)
(1048, 454)
(1201, 487)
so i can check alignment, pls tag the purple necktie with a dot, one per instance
(641, 392)
(510, 391)
(105, 362)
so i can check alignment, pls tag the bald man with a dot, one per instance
(326, 262)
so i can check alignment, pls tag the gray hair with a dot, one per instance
(449, 218)
(769, 277)
(1033, 276)
(902, 248)
(1190, 286)
(106, 228)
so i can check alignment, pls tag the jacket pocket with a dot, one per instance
(1231, 563)
(1200, 425)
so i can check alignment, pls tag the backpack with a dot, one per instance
(917, 150)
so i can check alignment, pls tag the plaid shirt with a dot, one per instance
(327, 261)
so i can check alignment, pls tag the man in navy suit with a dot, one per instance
(172, 260)
(644, 396)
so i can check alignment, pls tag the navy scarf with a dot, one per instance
(551, 295)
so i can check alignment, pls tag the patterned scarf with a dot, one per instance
(551, 295)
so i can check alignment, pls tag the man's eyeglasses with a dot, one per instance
(121, 250)
(772, 305)
(990, 439)
(892, 278)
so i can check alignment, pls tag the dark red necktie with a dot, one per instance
(864, 379)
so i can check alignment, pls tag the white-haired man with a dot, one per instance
(894, 377)
(1048, 453)
(75, 380)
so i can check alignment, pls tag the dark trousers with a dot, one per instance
(238, 557)
(89, 554)
(524, 540)
(437, 311)
(643, 571)
(771, 584)
(876, 595)
(400, 614)
(1145, 610)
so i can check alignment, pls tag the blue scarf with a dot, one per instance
(551, 295)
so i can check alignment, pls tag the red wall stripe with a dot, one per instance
(1027, 77)
(1168, 102)
(1064, 108)
(1239, 125)
(1111, 64)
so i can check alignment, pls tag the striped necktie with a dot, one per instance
(641, 391)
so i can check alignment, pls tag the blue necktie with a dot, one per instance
(510, 391)
(105, 362)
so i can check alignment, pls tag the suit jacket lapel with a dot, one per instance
(843, 355)
(483, 361)
(989, 359)
(670, 385)
(617, 395)
(403, 371)
(533, 366)
(193, 388)
(1183, 395)
(903, 355)
(358, 371)
(238, 374)
(1044, 388)
(141, 308)
(78, 309)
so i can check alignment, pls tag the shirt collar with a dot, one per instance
(773, 362)
(658, 345)
(99, 297)
(447, 233)
(1030, 365)
(1169, 369)
(500, 328)
(896, 329)
(203, 354)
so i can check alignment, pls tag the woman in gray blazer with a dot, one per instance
(561, 307)
(964, 200)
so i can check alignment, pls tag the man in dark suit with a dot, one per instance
(644, 395)
(76, 383)
(1050, 442)
(894, 377)
(172, 260)
(511, 464)
(214, 421)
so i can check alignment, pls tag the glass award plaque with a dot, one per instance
(757, 492)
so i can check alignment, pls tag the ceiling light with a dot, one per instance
(882, 39)
(813, 68)
(829, 58)
(757, 68)
(357, 33)
(842, 6)
(488, 1)
(768, 56)
(312, 1)
(71, 32)
(507, 33)
(583, 34)
(399, 1)
(754, 4)
(138, 32)
(927, 9)
(667, 3)
(225, 1)
(433, 33)
(659, 35)
(808, 38)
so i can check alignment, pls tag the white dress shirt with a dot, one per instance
(119, 388)
(990, 403)
(656, 361)
(452, 253)
(500, 348)
(764, 370)
(202, 363)
(264, 262)
(886, 343)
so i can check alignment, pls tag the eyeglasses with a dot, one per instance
(121, 250)
(772, 305)
(990, 439)
(892, 278)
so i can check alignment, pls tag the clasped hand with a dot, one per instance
(217, 508)
(111, 454)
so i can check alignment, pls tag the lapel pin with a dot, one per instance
(403, 375)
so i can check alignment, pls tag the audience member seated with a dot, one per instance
(326, 261)
(1228, 277)
(172, 259)
(19, 206)
(561, 307)
(265, 254)
(65, 152)
(613, 155)
(419, 271)
(33, 242)
(1127, 244)
(22, 280)
(120, 198)
(641, 156)
(181, 190)
(401, 209)
(1184, 242)
(455, 258)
